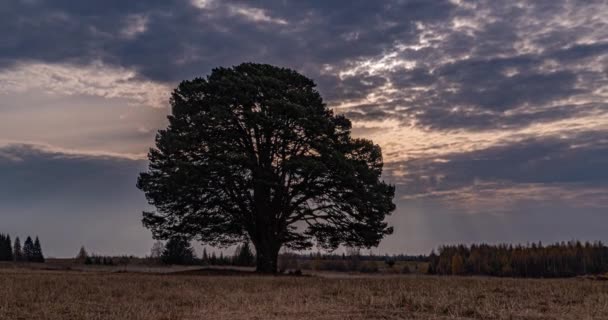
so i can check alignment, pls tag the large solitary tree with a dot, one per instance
(252, 153)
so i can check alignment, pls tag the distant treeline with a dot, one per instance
(179, 251)
(31, 251)
(531, 261)
(351, 261)
(243, 256)
(360, 256)
(175, 251)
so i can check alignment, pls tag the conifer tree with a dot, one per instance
(8, 248)
(5, 248)
(205, 256)
(28, 249)
(17, 251)
(38, 256)
(82, 256)
(1, 247)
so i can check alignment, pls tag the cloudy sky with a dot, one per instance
(492, 115)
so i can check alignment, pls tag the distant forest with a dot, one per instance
(30, 252)
(565, 259)
(531, 261)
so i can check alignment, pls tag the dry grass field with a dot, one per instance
(38, 294)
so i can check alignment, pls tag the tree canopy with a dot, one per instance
(252, 153)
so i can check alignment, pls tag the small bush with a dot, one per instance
(389, 262)
(296, 272)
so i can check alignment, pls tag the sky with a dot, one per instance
(492, 115)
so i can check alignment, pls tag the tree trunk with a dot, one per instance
(264, 233)
(267, 255)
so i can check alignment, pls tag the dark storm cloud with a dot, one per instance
(484, 90)
(507, 57)
(181, 40)
(494, 64)
(72, 200)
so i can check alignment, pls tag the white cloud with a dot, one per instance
(255, 15)
(202, 4)
(247, 12)
(95, 79)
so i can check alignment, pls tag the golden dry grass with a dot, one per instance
(27, 294)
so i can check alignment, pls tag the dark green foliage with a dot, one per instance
(558, 260)
(252, 152)
(6, 248)
(178, 251)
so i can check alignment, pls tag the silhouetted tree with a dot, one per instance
(6, 248)
(17, 251)
(178, 251)
(38, 256)
(205, 258)
(28, 250)
(83, 256)
(252, 152)
(243, 256)
(2, 248)
(389, 262)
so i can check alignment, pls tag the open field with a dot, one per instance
(38, 294)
